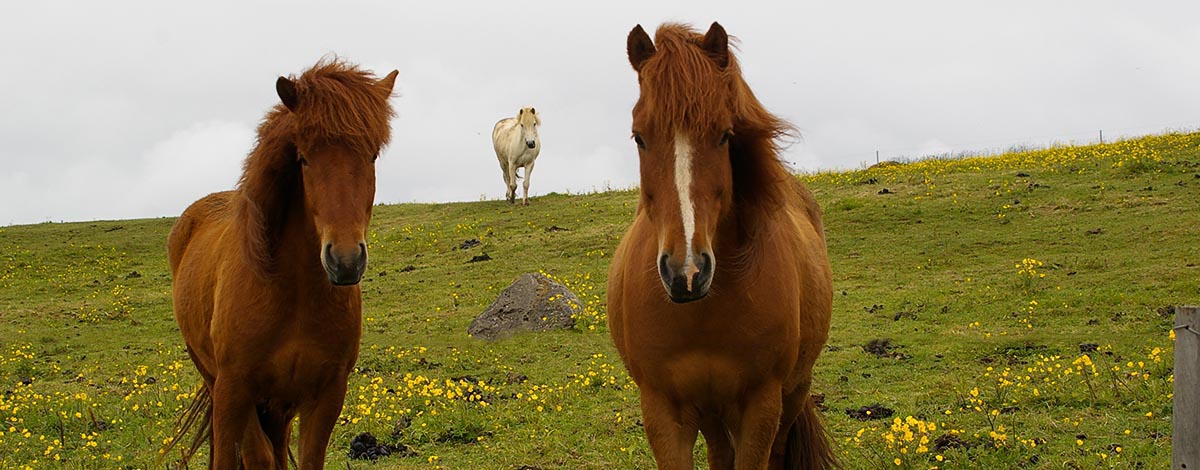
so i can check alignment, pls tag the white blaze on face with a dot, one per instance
(683, 186)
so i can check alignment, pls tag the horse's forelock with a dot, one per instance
(341, 103)
(682, 87)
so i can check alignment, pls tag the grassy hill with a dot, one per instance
(1013, 311)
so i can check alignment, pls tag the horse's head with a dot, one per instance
(682, 124)
(529, 122)
(341, 127)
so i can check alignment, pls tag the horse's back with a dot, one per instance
(812, 209)
(502, 131)
(203, 215)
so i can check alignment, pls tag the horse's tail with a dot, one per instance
(198, 412)
(808, 445)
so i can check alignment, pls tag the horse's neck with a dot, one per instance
(299, 247)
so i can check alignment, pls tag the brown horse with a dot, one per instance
(266, 276)
(736, 243)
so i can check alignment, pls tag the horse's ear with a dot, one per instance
(388, 82)
(716, 44)
(287, 93)
(639, 47)
(533, 110)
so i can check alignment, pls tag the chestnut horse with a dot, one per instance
(736, 244)
(266, 276)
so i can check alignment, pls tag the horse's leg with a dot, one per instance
(507, 178)
(512, 182)
(528, 170)
(716, 439)
(754, 430)
(793, 404)
(256, 447)
(232, 411)
(316, 424)
(671, 431)
(277, 425)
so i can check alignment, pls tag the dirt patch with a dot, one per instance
(883, 348)
(819, 402)
(1016, 354)
(408, 269)
(1088, 347)
(555, 228)
(365, 447)
(515, 378)
(478, 258)
(870, 412)
(468, 244)
(949, 441)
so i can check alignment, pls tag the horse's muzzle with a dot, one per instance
(344, 269)
(676, 280)
(531, 143)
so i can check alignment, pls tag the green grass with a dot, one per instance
(93, 372)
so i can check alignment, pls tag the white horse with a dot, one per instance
(517, 146)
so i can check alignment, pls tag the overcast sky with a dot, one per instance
(123, 109)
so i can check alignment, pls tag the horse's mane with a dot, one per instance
(336, 103)
(681, 84)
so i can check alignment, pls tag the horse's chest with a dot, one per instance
(525, 156)
(701, 376)
(707, 363)
(305, 364)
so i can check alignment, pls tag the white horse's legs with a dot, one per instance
(507, 179)
(525, 196)
(511, 180)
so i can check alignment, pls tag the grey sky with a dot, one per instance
(135, 109)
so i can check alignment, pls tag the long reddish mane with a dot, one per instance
(681, 84)
(338, 103)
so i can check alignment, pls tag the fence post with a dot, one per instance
(1185, 419)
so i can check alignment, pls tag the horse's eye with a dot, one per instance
(725, 137)
(303, 161)
(638, 138)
